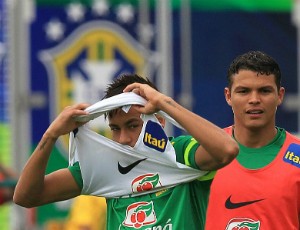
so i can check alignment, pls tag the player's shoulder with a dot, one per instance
(182, 139)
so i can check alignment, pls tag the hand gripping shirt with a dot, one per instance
(146, 186)
(264, 198)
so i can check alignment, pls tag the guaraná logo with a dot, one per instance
(145, 183)
(140, 214)
(243, 224)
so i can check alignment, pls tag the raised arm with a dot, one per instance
(34, 188)
(216, 149)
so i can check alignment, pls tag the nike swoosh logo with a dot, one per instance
(230, 205)
(128, 168)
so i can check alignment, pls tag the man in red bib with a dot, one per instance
(260, 189)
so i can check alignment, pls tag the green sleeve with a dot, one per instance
(185, 148)
(76, 173)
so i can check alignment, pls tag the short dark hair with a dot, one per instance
(119, 84)
(256, 61)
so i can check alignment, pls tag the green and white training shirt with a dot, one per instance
(180, 207)
(154, 185)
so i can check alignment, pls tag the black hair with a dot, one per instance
(121, 82)
(256, 61)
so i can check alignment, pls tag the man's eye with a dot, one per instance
(133, 126)
(266, 90)
(114, 129)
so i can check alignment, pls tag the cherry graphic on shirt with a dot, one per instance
(138, 218)
(146, 182)
(141, 215)
(145, 187)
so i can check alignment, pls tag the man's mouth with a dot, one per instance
(254, 112)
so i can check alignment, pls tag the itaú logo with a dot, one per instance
(155, 136)
(292, 155)
(140, 214)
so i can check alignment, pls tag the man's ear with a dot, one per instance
(161, 120)
(281, 95)
(227, 95)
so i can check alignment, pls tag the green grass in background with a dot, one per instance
(5, 159)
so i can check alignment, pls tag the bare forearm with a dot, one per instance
(212, 138)
(31, 180)
(34, 188)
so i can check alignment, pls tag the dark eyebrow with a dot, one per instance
(241, 87)
(262, 87)
(267, 86)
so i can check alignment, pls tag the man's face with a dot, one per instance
(254, 99)
(126, 127)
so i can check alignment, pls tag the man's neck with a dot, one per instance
(254, 138)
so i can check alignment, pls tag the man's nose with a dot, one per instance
(254, 98)
(124, 138)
